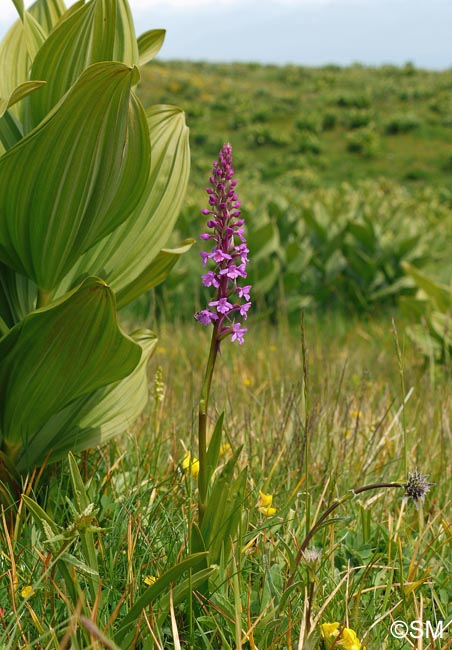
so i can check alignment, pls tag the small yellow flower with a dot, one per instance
(349, 640)
(149, 580)
(268, 511)
(337, 638)
(264, 504)
(329, 632)
(27, 592)
(190, 463)
(265, 500)
(247, 381)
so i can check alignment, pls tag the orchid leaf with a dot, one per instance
(154, 590)
(93, 167)
(56, 355)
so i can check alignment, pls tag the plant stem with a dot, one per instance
(44, 298)
(202, 430)
(306, 426)
(318, 524)
(402, 386)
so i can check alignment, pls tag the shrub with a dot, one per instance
(363, 141)
(402, 123)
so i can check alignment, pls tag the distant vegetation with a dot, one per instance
(344, 178)
(314, 126)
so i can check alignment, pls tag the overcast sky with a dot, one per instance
(310, 32)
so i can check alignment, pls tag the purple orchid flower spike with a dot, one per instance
(229, 253)
(225, 271)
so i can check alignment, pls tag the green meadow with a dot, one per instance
(292, 492)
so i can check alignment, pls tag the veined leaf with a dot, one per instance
(19, 93)
(48, 13)
(440, 294)
(17, 295)
(14, 59)
(123, 258)
(101, 30)
(154, 274)
(76, 177)
(56, 355)
(149, 44)
(94, 418)
(10, 131)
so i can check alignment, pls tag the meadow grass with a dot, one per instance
(340, 393)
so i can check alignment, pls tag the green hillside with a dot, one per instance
(314, 126)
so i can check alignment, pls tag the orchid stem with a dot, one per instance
(202, 431)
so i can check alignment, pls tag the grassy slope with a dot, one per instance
(236, 101)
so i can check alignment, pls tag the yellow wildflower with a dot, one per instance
(265, 500)
(27, 592)
(190, 463)
(336, 637)
(349, 640)
(264, 504)
(329, 632)
(149, 580)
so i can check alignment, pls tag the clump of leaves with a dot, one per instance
(90, 188)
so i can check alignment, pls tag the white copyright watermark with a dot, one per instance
(418, 629)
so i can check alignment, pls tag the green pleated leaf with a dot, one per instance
(10, 131)
(149, 44)
(76, 177)
(93, 419)
(24, 89)
(48, 13)
(15, 61)
(33, 33)
(154, 274)
(19, 4)
(17, 296)
(101, 30)
(56, 355)
(125, 256)
(440, 294)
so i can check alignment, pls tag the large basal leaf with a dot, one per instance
(56, 355)
(101, 30)
(76, 177)
(125, 256)
(94, 418)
